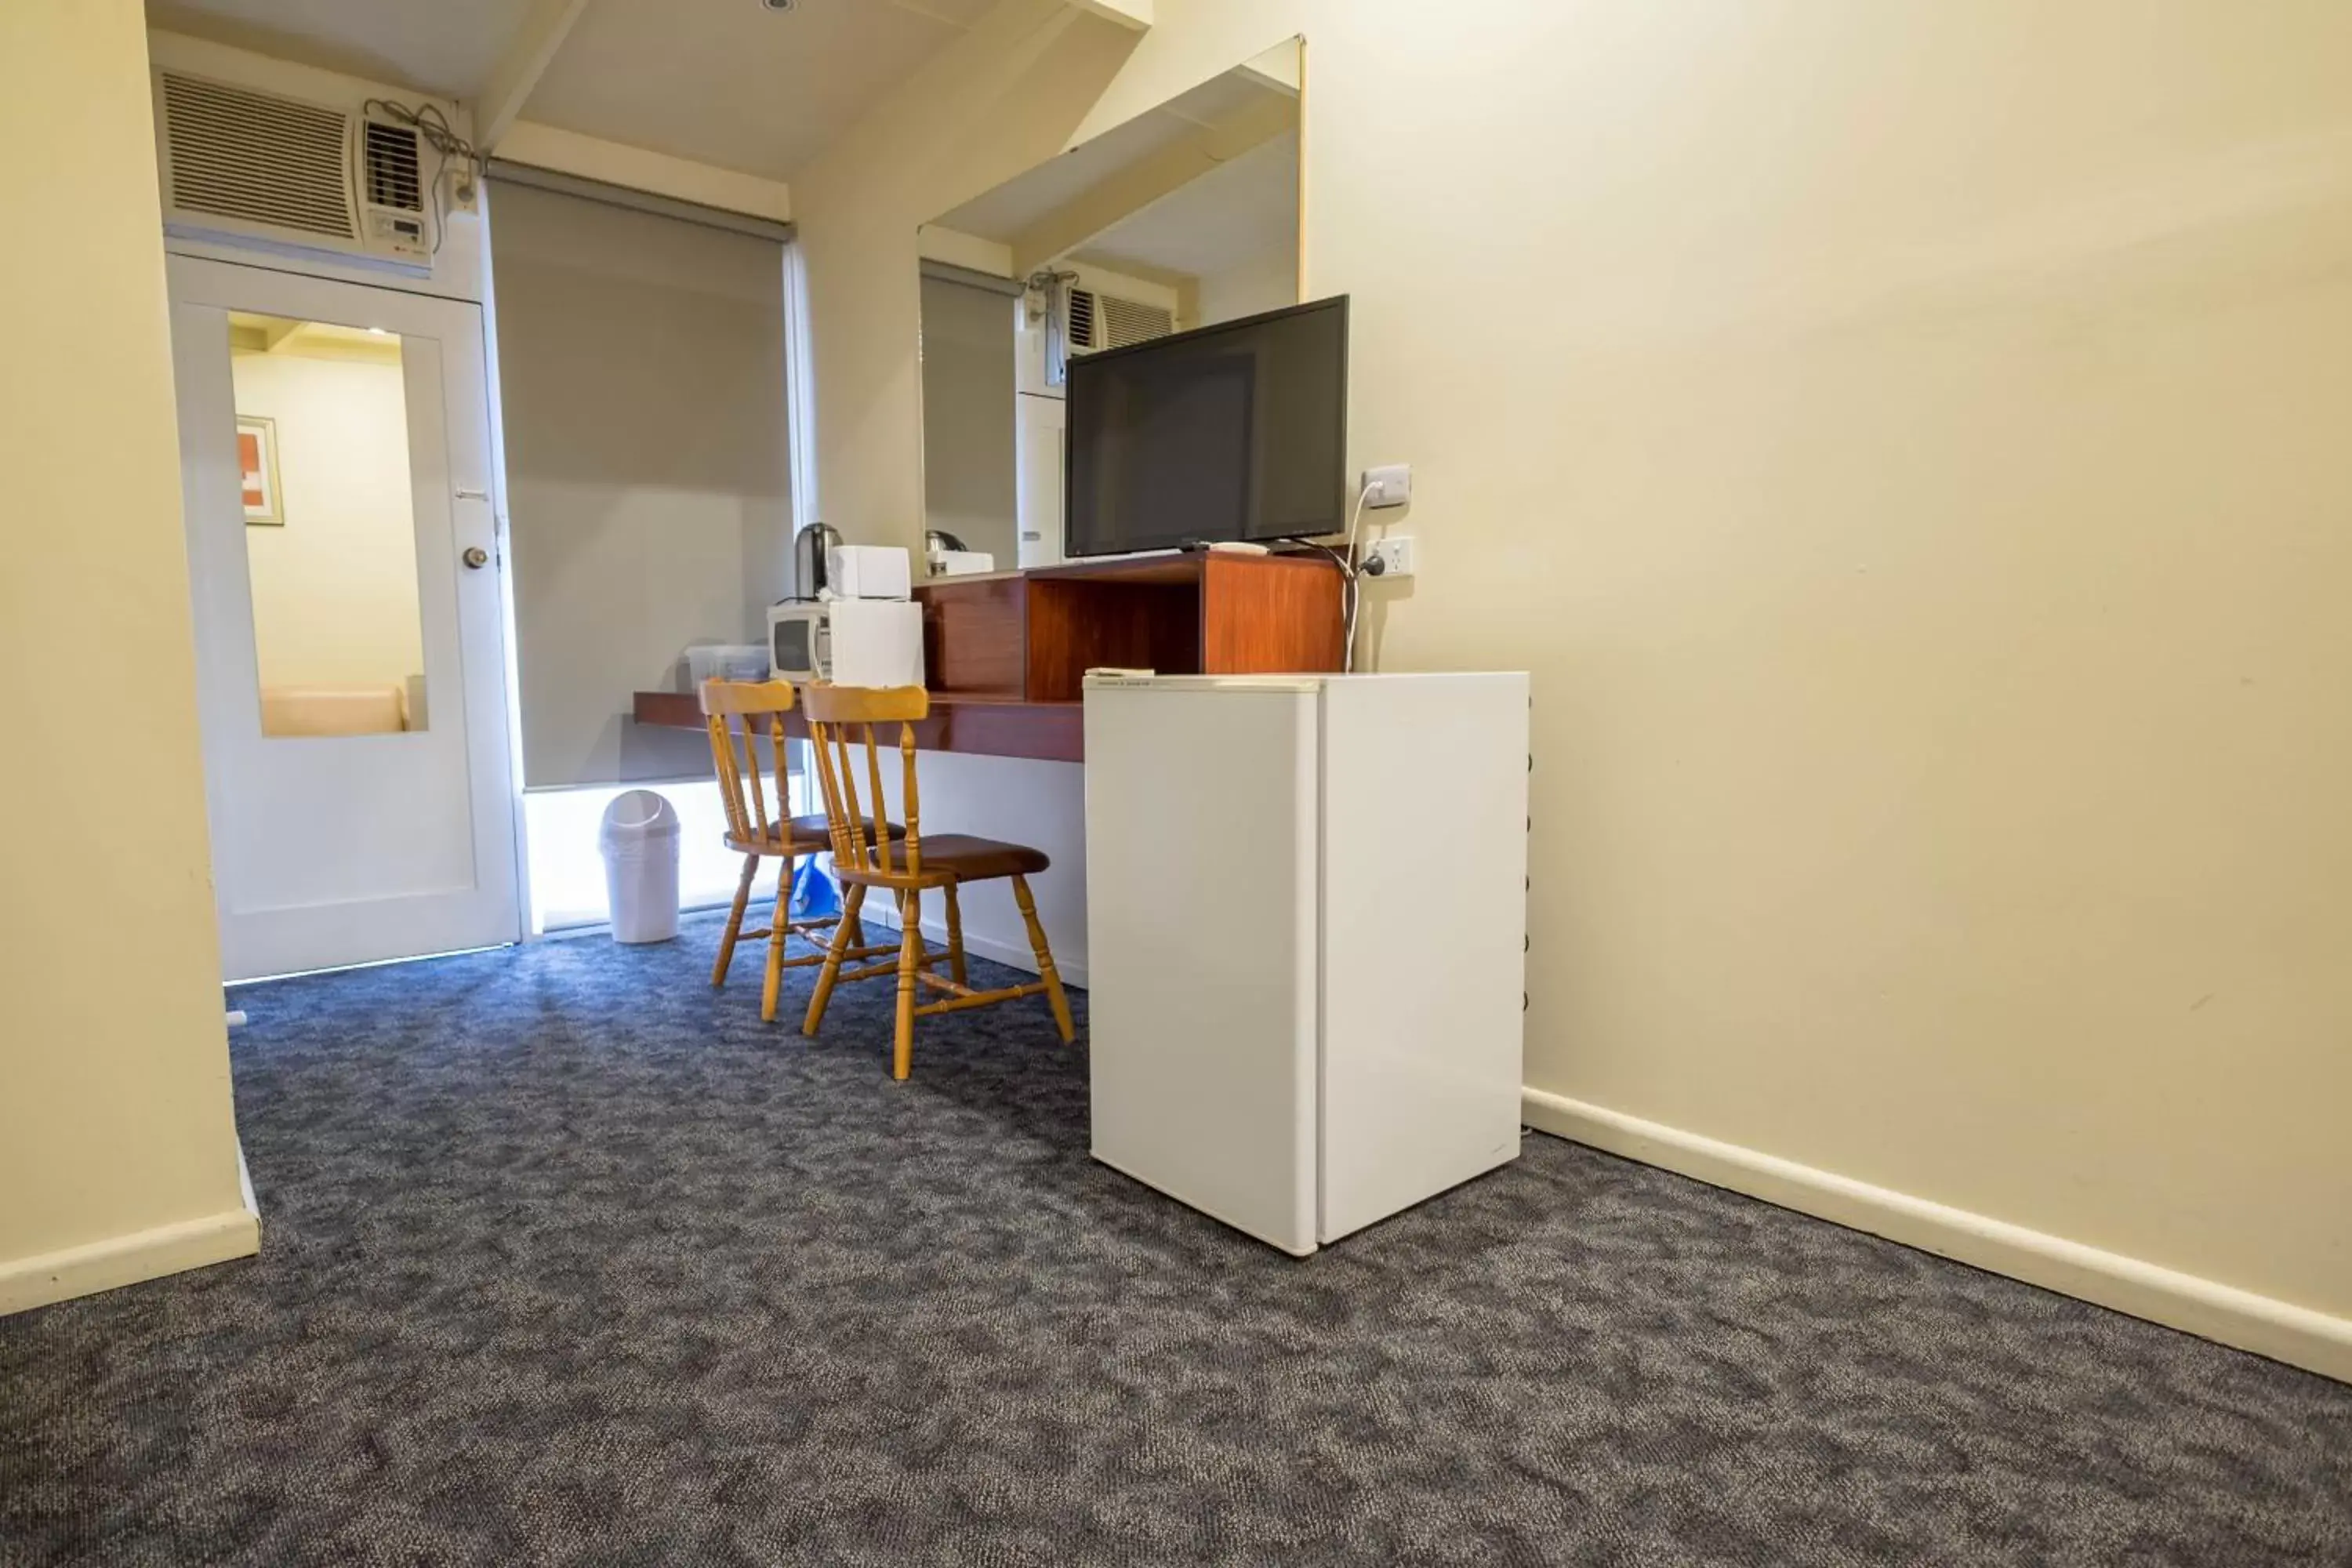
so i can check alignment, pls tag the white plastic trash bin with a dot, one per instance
(640, 839)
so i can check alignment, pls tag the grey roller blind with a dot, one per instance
(968, 425)
(642, 398)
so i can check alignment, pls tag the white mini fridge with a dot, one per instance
(1306, 934)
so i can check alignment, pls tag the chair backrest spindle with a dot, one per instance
(722, 761)
(751, 771)
(726, 705)
(842, 719)
(913, 812)
(853, 818)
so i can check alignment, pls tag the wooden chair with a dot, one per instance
(842, 720)
(733, 710)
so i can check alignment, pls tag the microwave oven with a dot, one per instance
(850, 642)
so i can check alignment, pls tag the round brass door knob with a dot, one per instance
(476, 557)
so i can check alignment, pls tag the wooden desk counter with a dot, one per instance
(976, 726)
(1007, 652)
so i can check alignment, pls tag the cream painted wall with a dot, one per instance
(1920, 501)
(334, 591)
(1267, 282)
(118, 1154)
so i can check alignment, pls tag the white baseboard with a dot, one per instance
(36, 1281)
(1013, 955)
(2263, 1324)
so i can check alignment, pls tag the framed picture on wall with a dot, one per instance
(256, 460)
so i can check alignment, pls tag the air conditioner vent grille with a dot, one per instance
(1130, 322)
(394, 174)
(1082, 319)
(256, 156)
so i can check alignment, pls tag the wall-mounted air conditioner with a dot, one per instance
(240, 163)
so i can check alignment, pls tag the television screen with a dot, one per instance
(1235, 431)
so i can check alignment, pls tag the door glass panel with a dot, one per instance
(330, 528)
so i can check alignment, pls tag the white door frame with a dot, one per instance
(291, 888)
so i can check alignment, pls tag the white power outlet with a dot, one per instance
(1390, 485)
(1390, 558)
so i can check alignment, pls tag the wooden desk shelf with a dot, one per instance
(1007, 653)
(1032, 635)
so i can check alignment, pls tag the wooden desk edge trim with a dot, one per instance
(980, 727)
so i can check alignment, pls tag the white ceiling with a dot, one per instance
(725, 82)
(444, 47)
(1230, 216)
(729, 83)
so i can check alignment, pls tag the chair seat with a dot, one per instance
(814, 826)
(970, 860)
(809, 834)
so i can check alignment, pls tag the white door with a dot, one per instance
(334, 449)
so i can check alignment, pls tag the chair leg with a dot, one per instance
(777, 936)
(734, 920)
(955, 937)
(1045, 970)
(911, 957)
(842, 941)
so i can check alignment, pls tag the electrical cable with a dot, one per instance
(1349, 575)
(1336, 559)
(1353, 570)
(1347, 591)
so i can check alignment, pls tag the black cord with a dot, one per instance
(1336, 559)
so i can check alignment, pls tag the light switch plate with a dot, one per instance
(1389, 484)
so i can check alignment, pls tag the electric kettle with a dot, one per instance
(809, 547)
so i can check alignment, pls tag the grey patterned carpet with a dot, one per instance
(568, 1260)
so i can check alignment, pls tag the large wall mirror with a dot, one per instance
(1184, 216)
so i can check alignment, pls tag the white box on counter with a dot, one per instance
(869, 572)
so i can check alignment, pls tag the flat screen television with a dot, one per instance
(1237, 431)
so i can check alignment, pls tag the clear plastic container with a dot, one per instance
(726, 661)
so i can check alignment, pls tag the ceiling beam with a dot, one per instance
(1142, 183)
(636, 169)
(528, 55)
(1135, 14)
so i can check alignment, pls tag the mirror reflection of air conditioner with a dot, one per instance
(1100, 320)
(242, 163)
